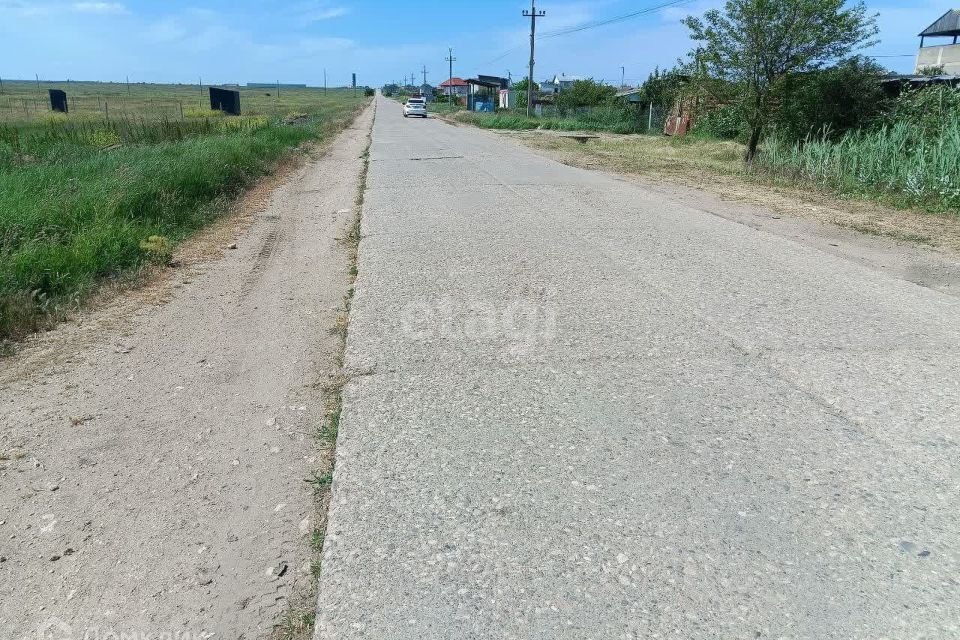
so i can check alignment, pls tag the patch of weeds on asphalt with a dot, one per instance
(321, 481)
(328, 430)
(296, 625)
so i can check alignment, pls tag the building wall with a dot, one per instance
(947, 55)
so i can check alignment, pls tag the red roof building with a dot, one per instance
(454, 86)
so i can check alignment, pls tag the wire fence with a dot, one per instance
(26, 108)
(620, 118)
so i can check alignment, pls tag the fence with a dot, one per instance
(620, 118)
(29, 108)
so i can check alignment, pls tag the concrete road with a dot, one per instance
(582, 410)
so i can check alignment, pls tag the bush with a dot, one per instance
(723, 122)
(830, 101)
(585, 93)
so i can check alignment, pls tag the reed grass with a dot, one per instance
(906, 163)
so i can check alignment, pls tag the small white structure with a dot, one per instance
(508, 99)
(941, 55)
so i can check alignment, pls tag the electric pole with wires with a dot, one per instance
(533, 14)
(451, 60)
(424, 72)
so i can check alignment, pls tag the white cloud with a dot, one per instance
(318, 11)
(99, 7)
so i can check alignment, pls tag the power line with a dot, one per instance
(451, 60)
(603, 23)
(533, 14)
(593, 25)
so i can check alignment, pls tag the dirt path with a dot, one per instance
(153, 454)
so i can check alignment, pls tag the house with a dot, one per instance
(941, 55)
(548, 88)
(563, 82)
(632, 96)
(427, 92)
(454, 87)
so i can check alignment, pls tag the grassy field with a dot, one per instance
(87, 197)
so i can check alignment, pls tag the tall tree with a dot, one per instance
(756, 43)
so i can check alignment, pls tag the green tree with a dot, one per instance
(829, 102)
(520, 86)
(585, 93)
(754, 44)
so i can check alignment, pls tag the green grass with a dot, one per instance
(320, 481)
(84, 199)
(905, 163)
(612, 119)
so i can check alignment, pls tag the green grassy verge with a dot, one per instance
(85, 200)
(613, 120)
(905, 164)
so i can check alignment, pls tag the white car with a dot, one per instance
(415, 107)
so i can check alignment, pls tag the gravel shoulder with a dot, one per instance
(153, 451)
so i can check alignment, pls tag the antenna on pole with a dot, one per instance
(533, 14)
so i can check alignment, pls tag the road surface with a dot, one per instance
(581, 409)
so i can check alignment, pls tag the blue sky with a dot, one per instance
(249, 40)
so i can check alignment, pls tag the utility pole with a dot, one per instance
(424, 72)
(1, 86)
(533, 14)
(278, 89)
(623, 73)
(128, 85)
(37, 76)
(324, 80)
(451, 60)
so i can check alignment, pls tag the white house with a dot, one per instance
(563, 82)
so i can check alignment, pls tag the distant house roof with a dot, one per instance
(946, 25)
(562, 78)
(453, 82)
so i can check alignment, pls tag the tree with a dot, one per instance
(585, 93)
(520, 86)
(829, 102)
(755, 44)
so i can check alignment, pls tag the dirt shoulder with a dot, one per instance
(920, 247)
(153, 450)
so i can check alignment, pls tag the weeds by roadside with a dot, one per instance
(300, 623)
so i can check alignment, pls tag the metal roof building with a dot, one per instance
(942, 56)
